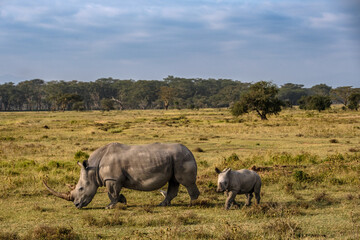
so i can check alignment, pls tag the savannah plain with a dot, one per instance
(309, 163)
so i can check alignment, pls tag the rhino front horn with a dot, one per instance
(66, 196)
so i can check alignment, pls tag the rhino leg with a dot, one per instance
(226, 193)
(257, 192)
(122, 199)
(114, 193)
(172, 191)
(249, 196)
(193, 192)
(230, 199)
(257, 197)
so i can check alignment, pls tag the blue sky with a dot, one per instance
(305, 42)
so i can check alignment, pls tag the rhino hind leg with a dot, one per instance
(249, 196)
(193, 192)
(257, 197)
(257, 189)
(172, 191)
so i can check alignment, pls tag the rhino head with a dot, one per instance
(223, 179)
(84, 191)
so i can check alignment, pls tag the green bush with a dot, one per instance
(301, 176)
(81, 156)
(315, 102)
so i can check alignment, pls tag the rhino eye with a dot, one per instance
(81, 189)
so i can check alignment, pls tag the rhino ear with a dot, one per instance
(85, 164)
(217, 170)
(227, 170)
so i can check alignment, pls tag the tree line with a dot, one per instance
(171, 92)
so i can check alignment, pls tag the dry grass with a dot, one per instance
(308, 161)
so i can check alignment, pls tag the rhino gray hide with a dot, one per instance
(242, 181)
(138, 167)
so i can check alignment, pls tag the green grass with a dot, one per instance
(308, 161)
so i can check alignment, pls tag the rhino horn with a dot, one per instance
(66, 196)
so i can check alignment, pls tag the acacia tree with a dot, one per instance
(261, 98)
(354, 101)
(316, 102)
(342, 94)
(167, 94)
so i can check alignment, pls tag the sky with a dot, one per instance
(301, 41)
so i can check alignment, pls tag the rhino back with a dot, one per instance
(142, 167)
(97, 156)
(244, 180)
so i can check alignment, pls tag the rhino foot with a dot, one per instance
(164, 203)
(110, 206)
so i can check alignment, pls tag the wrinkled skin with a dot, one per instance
(235, 182)
(138, 167)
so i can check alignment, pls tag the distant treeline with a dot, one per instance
(171, 92)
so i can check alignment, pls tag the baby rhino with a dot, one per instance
(242, 181)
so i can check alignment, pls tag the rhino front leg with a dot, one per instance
(230, 199)
(114, 194)
(172, 191)
(226, 193)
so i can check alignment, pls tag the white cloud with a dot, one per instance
(23, 14)
(327, 20)
(94, 14)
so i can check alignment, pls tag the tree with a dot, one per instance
(316, 102)
(321, 89)
(291, 93)
(167, 94)
(68, 99)
(354, 101)
(342, 94)
(107, 104)
(261, 98)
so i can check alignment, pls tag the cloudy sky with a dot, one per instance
(301, 41)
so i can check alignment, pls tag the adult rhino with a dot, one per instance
(139, 167)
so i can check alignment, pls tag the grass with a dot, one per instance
(308, 161)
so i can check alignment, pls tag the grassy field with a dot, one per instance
(309, 163)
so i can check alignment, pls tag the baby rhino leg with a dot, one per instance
(230, 199)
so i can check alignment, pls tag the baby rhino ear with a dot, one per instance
(217, 171)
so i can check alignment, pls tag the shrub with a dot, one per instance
(113, 220)
(52, 233)
(323, 198)
(9, 236)
(282, 228)
(354, 101)
(315, 102)
(81, 156)
(301, 176)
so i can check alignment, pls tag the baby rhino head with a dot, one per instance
(223, 179)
